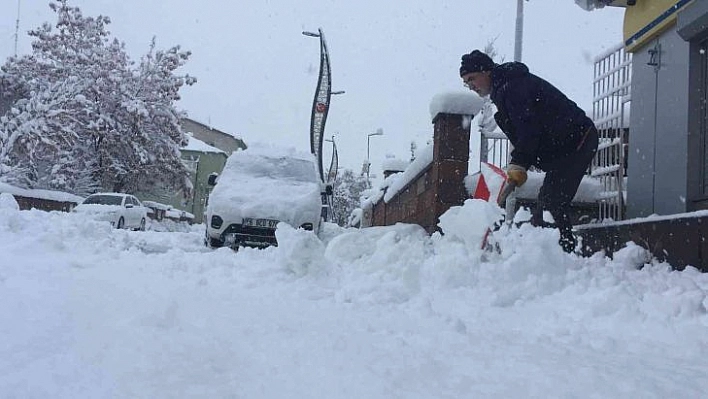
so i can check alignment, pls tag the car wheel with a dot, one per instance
(142, 224)
(121, 223)
(213, 242)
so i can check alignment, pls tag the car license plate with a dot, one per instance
(265, 223)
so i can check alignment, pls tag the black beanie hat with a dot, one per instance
(476, 61)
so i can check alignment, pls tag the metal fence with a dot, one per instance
(496, 149)
(610, 112)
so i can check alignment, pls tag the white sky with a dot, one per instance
(257, 73)
(87, 311)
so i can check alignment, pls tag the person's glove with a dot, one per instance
(516, 174)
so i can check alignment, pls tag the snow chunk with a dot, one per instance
(459, 103)
(395, 164)
(7, 201)
(590, 5)
(457, 223)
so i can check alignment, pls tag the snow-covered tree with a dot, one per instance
(85, 117)
(347, 195)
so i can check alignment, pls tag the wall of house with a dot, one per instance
(201, 165)
(208, 163)
(658, 149)
(692, 26)
(43, 204)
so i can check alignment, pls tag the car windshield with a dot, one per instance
(104, 200)
(281, 168)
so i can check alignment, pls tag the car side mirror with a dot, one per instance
(329, 190)
(212, 179)
(129, 206)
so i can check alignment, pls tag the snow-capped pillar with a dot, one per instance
(451, 114)
(451, 142)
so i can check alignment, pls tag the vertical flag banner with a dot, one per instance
(334, 165)
(320, 105)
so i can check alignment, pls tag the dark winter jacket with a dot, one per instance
(540, 121)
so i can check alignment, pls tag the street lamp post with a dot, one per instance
(378, 132)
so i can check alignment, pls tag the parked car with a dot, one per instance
(259, 188)
(123, 211)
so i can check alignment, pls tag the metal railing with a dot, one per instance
(610, 111)
(496, 149)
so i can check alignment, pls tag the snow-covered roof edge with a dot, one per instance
(40, 194)
(208, 127)
(589, 5)
(194, 144)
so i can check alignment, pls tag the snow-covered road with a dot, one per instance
(87, 312)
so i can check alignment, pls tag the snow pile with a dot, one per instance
(7, 201)
(590, 5)
(170, 225)
(394, 164)
(90, 311)
(457, 102)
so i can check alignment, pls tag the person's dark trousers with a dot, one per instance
(561, 183)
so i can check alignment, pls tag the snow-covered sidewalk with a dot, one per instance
(87, 311)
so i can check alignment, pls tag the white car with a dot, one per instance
(123, 211)
(259, 188)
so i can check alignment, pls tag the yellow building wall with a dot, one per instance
(648, 18)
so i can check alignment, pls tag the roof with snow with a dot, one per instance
(40, 194)
(194, 144)
(589, 5)
(186, 122)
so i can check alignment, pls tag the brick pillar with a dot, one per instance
(451, 143)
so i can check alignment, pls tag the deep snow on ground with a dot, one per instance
(386, 312)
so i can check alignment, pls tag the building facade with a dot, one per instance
(201, 160)
(213, 137)
(666, 165)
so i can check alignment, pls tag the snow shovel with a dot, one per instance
(506, 200)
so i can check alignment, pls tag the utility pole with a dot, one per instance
(518, 43)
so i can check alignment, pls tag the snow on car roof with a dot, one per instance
(112, 194)
(268, 180)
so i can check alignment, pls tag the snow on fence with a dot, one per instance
(610, 112)
(435, 182)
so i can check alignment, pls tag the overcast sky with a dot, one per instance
(257, 73)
